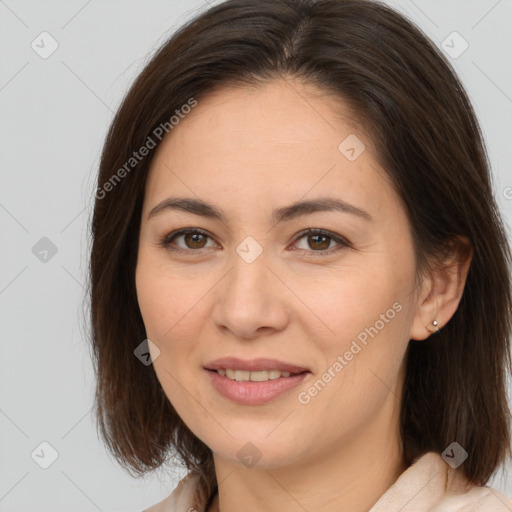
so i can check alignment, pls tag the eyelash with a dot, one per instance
(165, 242)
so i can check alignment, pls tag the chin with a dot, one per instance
(258, 451)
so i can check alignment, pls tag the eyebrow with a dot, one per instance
(199, 207)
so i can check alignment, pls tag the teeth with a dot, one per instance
(259, 376)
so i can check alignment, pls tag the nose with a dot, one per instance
(251, 299)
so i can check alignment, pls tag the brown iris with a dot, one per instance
(193, 240)
(315, 244)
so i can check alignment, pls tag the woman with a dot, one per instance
(299, 276)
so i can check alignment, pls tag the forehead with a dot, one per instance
(283, 138)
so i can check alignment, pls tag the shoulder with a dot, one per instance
(181, 499)
(463, 496)
(477, 499)
(431, 485)
(460, 495)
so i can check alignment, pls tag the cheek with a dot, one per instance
(154, 299)
(174, 310)
(167, 303)
(167, 309)
(367, 313)
(351, 300)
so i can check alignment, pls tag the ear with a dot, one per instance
(442, 289)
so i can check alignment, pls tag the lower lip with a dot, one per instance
(253, 393)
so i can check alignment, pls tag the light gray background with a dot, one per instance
(54, 116)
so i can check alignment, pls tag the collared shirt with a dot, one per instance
(428, 485)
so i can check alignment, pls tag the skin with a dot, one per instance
(304, 301)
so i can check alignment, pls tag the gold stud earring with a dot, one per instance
(434, 323)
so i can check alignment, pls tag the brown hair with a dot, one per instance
(428, 140)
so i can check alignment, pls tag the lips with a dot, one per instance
(255, 381)
(254, 393)
(254, 365)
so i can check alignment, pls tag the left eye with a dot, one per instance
(318, 239)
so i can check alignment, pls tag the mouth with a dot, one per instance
(256, 370)
(256, 381)
(255, 376)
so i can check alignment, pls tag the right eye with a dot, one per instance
(193, 238)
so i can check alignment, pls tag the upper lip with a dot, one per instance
(254, 365)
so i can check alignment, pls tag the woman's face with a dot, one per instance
(248, 283)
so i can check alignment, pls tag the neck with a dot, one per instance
(351, 476)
